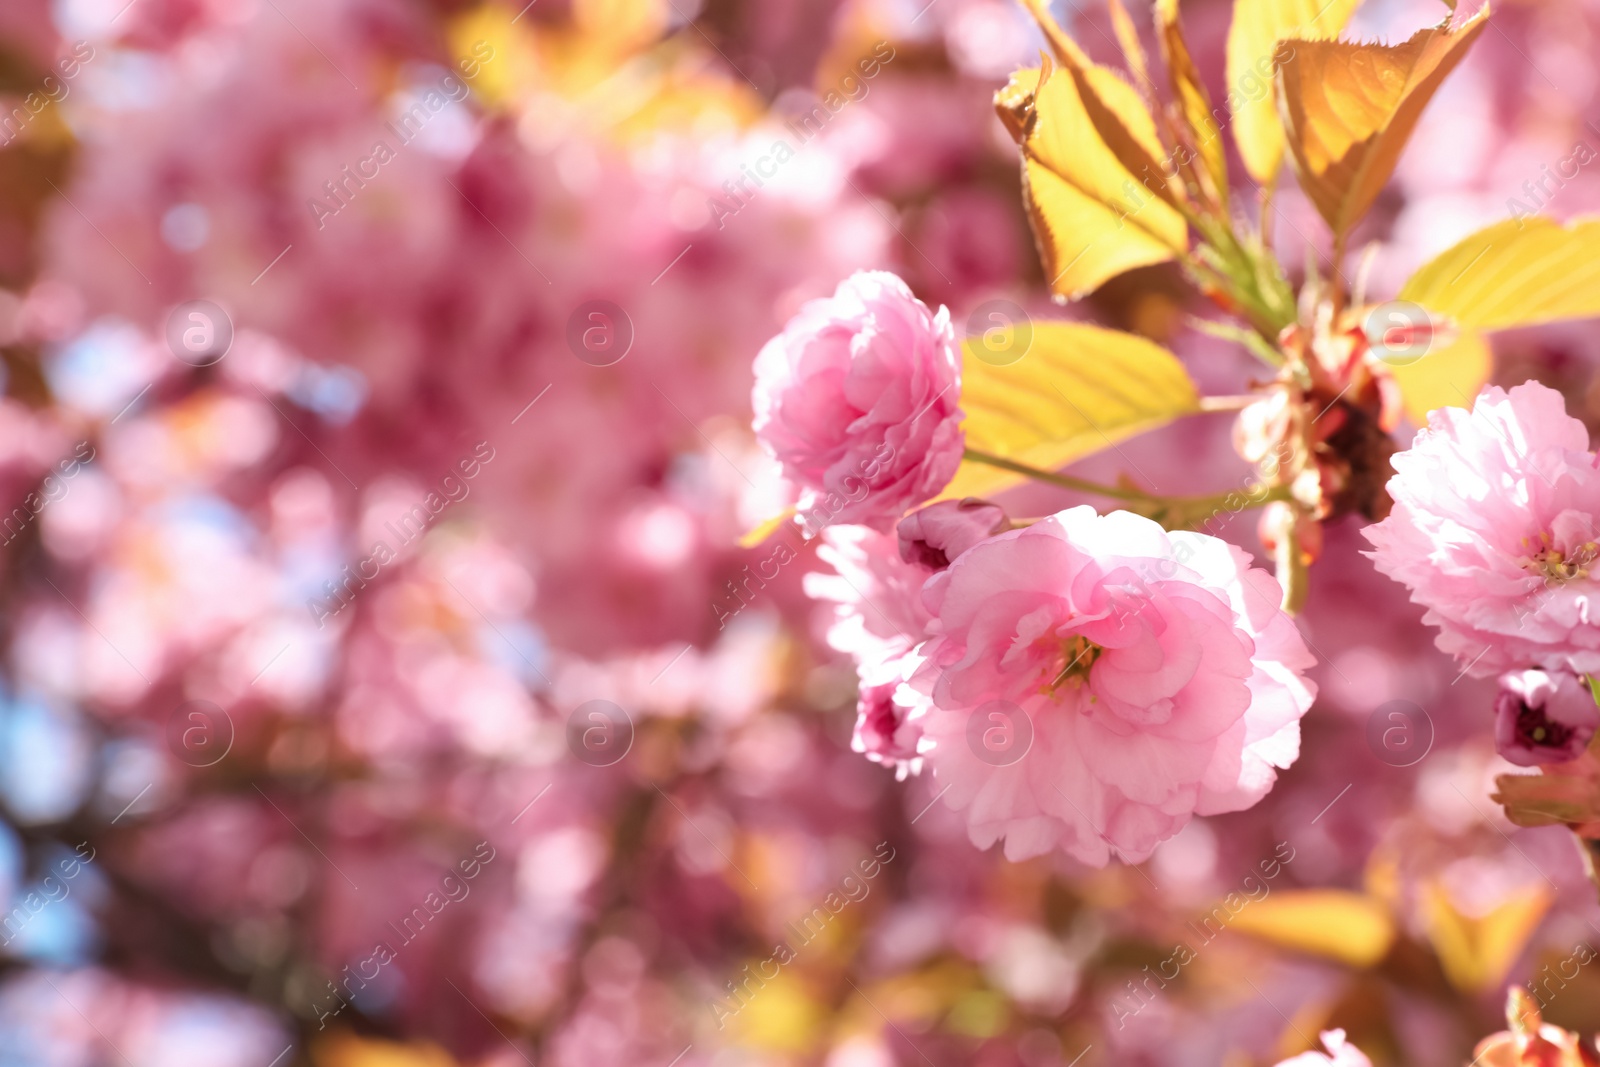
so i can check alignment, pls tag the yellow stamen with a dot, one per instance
(1078, 654)
(1554, 565)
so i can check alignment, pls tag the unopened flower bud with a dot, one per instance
(1543, 717)
(935, 535)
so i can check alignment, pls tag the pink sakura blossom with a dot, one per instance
(858, 399)
(938, 533)
(1494, 531)
(1154, 672)
(1543, 718)
(878, 613)
(885, 731)
(878, 618)
(1340, 1054)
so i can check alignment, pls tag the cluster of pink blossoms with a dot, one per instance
(857, 399)
(1496, 530)
(1082, 681)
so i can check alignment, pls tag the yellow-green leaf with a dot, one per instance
(1115, 110)
(1124, 124)
(1450, 377)
(1128, 39)
(1333, 923)
(1349, 107)
(1258, 26)
(766, 529)
(1519, 272)
(1078, 389)
(1476, 952)
(1193, 103)
(1091, 217)
(1065, 48)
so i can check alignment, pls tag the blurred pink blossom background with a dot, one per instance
(413, 580)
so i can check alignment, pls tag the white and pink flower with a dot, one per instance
(1494, 529)
(878, 618)
(859, 400)
(1154, 671)
(878, 613)
(885, 730)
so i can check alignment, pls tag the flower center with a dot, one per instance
(1078, 654)
(1553, 564)
(1536, 730)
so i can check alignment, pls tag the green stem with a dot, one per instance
(1067, 481)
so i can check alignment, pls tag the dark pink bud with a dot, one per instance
(882, 732)
(1543, 718)
(935, 535)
